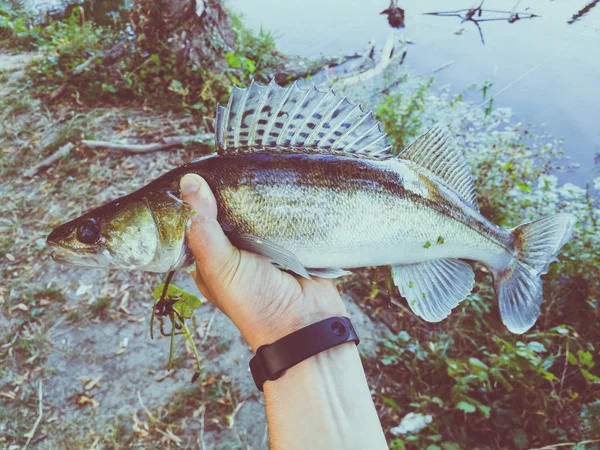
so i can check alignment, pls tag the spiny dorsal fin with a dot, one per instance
(273, 118)
(438, 152)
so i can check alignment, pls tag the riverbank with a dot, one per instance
(78, 339)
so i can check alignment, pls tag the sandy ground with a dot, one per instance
(84, 334)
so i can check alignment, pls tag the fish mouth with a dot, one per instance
(70, 257)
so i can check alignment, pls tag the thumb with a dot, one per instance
(215, 256)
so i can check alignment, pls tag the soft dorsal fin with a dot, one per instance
(273, 118)
(438, 152)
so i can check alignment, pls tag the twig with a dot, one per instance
(60, 153)
(210, 322)
(107, 58)
(566, 444)
(235, 411)
(166, 144)
(146, 410)
(202, 444)
(39, 418)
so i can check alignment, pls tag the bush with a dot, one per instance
(156, 79)
(485, 387)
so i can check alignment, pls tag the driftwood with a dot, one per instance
(386, 57)
(60, 153)
(166, 143)
(297, 67)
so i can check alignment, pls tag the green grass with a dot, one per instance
(485, 387)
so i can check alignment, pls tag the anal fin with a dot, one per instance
(433, 288)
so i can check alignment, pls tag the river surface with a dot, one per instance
(563, 92)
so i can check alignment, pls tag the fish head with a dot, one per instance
(121, 234)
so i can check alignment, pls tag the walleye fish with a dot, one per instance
(307, 179)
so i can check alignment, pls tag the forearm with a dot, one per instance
(323, 402)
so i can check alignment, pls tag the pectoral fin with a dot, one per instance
(433, 288)
(278, 255)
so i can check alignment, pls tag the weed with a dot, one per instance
(400, 114)
(100, 306)
(155, 79)
(485, 387)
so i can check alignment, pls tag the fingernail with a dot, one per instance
(190, 184)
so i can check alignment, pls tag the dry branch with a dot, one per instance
(165, 144)
(107, 58)
(386, 58)
(297, 67)
(60, 153)
(39, 418)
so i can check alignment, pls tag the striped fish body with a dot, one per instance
(342, 212)
(307, 179)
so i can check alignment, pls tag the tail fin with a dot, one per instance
(519, 286)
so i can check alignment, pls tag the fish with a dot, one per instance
(308, 179)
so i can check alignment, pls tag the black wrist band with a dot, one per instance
(272, 360)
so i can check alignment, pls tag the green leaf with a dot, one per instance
(501, 378)
(590, 377)
(572, 359)
(404, 336)
(155, 59)
(186, 303)
(233, 60)
(466, 407)
(523, 186)
(391, 402)
(478, 363)
(536, 347)
(485, 410)
(548, 375)
(435, 437)
(585, 359)
(434, 447)
(397, 444)
(450, 446)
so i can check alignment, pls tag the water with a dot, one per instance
(562, 93)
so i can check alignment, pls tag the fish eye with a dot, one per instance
(88, 232)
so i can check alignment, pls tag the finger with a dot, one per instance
(201, 285)
(214, 254)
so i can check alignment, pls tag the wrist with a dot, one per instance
(268, 328)
(334, 384)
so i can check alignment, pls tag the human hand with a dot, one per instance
(262, 301)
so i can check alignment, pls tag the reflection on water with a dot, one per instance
(478, 14)
(561, 93)
(582, 12)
